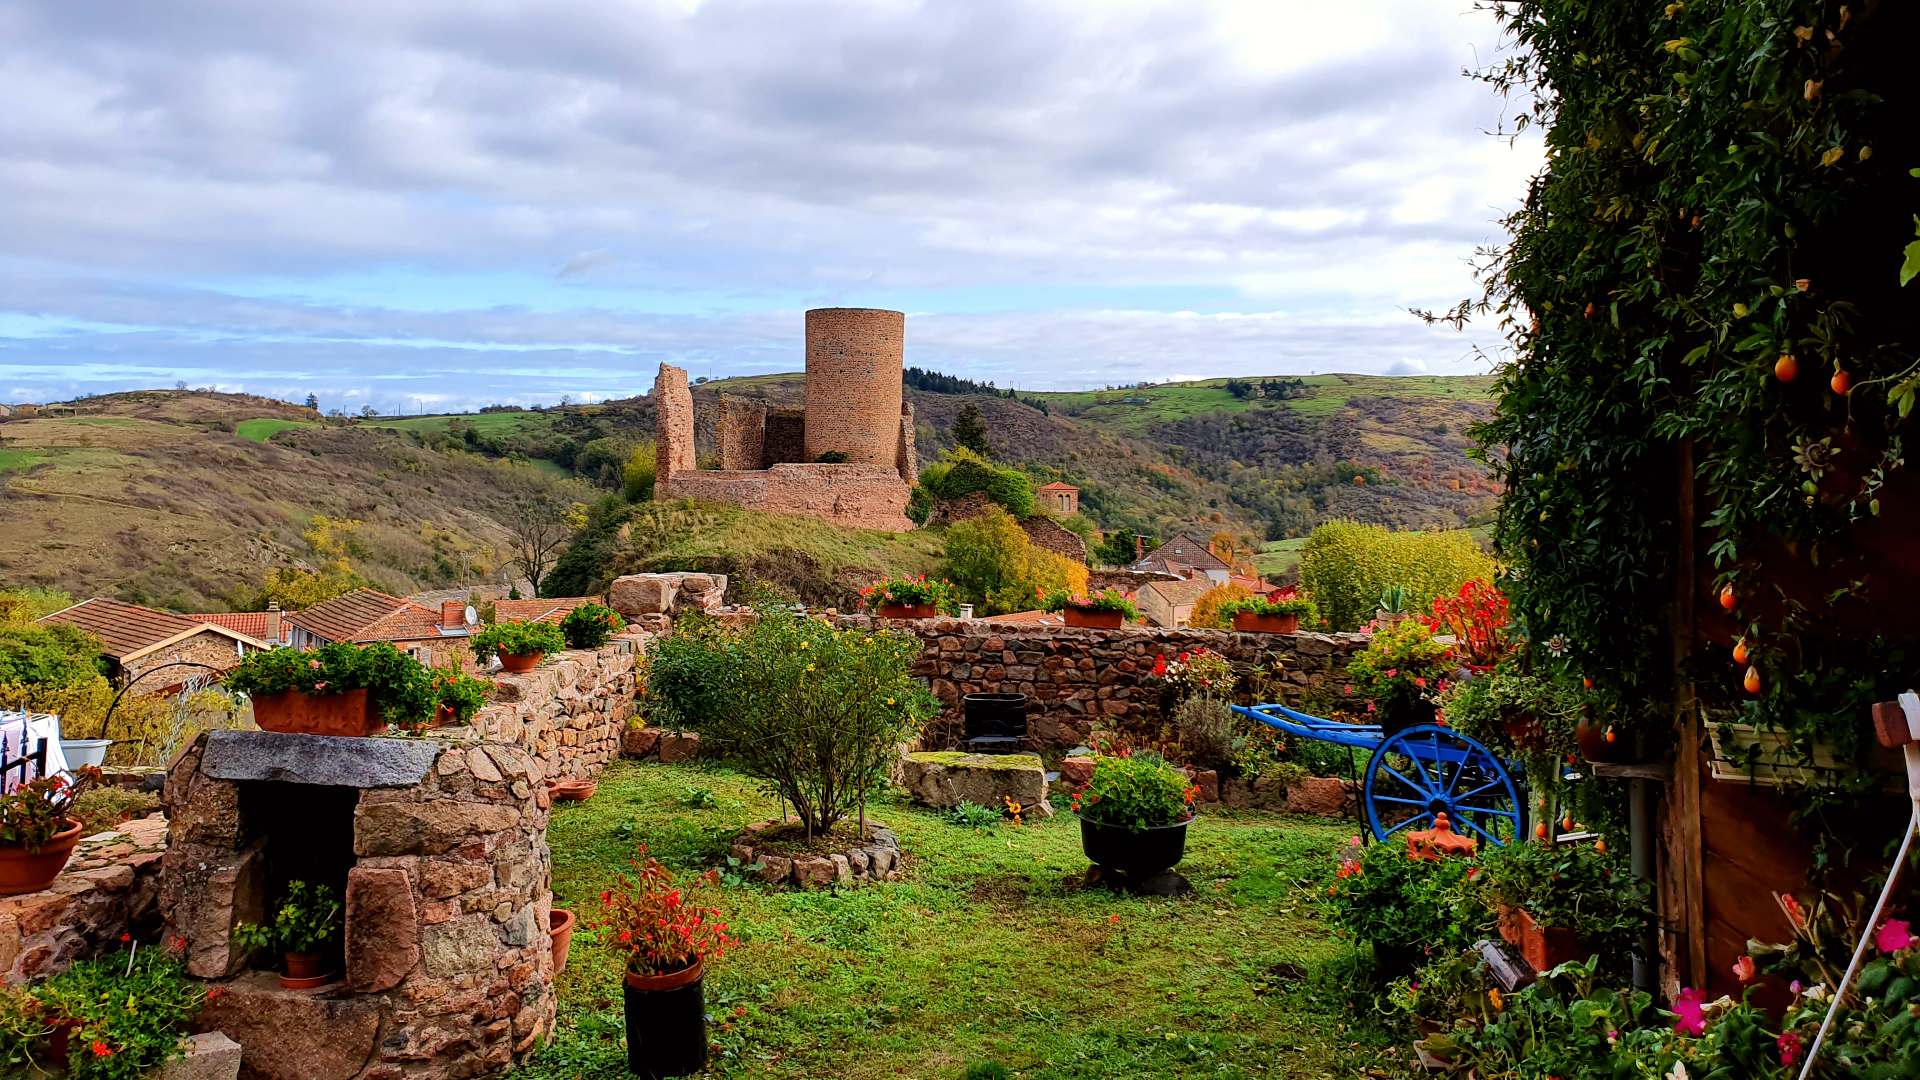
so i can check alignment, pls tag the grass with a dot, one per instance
(489, 423)
(261, 429)
(990, 951)
(1139, 410)
(708, 530)
(19, 460)
(1280, 558)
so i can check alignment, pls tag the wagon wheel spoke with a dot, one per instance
(1469, 823)
(1404, 823)
(1411, 786)
(1392, 799)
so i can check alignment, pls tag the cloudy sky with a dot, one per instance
(441, 203)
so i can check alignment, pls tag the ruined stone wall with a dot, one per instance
(786, 439)
(862, 496)
(906, 457)
(855, 358)
(110, 887)
(742, 433)
(568, 712)
(1055, 537)
(1077, 679)
(673, 424)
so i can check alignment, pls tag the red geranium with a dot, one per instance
(647, 920)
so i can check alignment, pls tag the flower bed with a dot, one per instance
(776, 852)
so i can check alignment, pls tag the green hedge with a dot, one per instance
(1345, 566)
(963, 472)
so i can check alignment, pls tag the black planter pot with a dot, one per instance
(1137, 853)
(995, 723)
(666, 1023)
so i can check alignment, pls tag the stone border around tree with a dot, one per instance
(877, 860)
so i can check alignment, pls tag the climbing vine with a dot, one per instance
(1708, 273)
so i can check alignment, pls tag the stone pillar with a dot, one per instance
(743, 433)
(906, 456)
(673, 412)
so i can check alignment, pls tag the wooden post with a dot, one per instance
(1684, 804)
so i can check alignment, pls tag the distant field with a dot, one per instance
(20, 460)
(261, 429)
(492, 423)
(1138, 410)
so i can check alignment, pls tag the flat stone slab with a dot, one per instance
(332, 760)
(947, 778)
(210, 1055)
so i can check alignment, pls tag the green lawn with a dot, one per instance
(989, 951)
(1280, 558)
(264, 428)
(20, 460)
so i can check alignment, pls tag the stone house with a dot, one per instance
(1170, 603)
(136, 640)
(1060, 499)
(363, 616)
(1186, 555)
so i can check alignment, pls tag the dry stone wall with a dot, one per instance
(1077, 679)
(109, 888)
(570, 711)
(862, 496)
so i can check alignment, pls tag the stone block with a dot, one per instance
(383, 928)
(639, 742)
(678, 746)
(318, 759)
(947, 778)
(1076, 773)
(460, 946)
(1326, 796)
(294, 1034)
(812, 871)
(425, 828)
(210, 1055)
(774, 869)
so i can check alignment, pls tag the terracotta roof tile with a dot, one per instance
(550, 610)
(1058, 486)
(123, 629)
(251, 623)
(1184, 591)
(365, 615)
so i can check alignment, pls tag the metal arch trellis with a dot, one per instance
(1417, 773)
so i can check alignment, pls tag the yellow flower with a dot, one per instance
(804, 644)
(809, 667)
(1498, 1002)
(889, 701)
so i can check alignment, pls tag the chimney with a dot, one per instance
(453, 614)
(273, 623)
(1139, 547)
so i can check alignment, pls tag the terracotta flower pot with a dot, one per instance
(292, 712)
(571, 790)
(444, 716)
(907, 611)
(1094, 617)
(1266, 624)
(22, 871)
(666, 1022)
(560, 932)
(520, 663)
(60, 1039)
(305, 971)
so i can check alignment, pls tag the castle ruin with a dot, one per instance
(855, 415)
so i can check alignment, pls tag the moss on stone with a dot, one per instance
(977, 761)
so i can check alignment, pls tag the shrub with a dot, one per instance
(908, 592)
(1345, 566)
(819, 712)
(1104, 600)
(992, 563)
(1140, 791)
(400, 686)
(1507, 709)
(962, 472)
(20, 607)
(132, 1012)
(590, 626)
(1260, 605)
(52, 656)
(692, 674)
(1400, 672)
(1206, 727)
(460, 693)
(832, 457)
(1196, 671)
(1209, 609)
(1397, 903)
(637, 473)
(1579, 887)
(308, 919)
(516, 638)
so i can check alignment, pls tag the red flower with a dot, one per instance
(124, 938)
(101, 1049)
(1789, 1044)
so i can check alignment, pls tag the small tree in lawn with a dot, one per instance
(970, 430)
(821, 712)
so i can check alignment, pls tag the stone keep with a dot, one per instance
(854, 362)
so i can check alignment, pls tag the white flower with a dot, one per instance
(1557, 645)
(1817, 992)
(1678, 1072)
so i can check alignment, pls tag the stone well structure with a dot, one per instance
(439, 851)
(770, 457)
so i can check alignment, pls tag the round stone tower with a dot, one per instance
(854, 358)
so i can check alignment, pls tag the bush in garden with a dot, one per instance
(819, 713)
(590, 626)
(132, 1013)
(1400, 672)
(1399, 904)
(1346, 566)
(962, 472)
(1139, 791)
(1579, 887)
(692, 674)
(992, 563)
(1208, 610)
(1207, 730)
(516, 638)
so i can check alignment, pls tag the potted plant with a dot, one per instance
(38, 830)
(1561, 902)
(1399, 674)
(458, 697)
(907, 598)
(590, 626)
(1532, 714)
(1134, 814)
(560, 923)
(519, 645)
(1264, 615)
(664, 939)
(1406, 908)
(337, 689)
(304, 930)
(1107, 609)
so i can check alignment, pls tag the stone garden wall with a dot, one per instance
(109, 888)
(1077, 679)
(570, 711)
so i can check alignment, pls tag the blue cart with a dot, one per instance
(1415, 773)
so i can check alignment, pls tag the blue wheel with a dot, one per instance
(1427, 770)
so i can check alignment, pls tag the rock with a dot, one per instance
(842, 869)
(812, 870)
(383, 928)
(947, 778)
(442, 878)
(637, 595)
(741, 853)
(639, 742)
(1208, 781)
(425, 828)
(1076, 773)
(482, 766)
(774, 869)
(881, 859)
(460, 946)
(678, 746)
(210, 1055)
(1326, 796)
(220, 889)
(294, 1034)
(335, 760)
(699, 592)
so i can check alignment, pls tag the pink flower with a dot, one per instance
(1789, 1044)
(1743, 969)
(1690, 1013)
(1894, 935)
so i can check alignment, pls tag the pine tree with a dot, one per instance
(313, 402)
(970, 430)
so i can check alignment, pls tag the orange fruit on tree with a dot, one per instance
(1752, 681)
(1841, 382)
(1599, 847)
(1727, 598)
(1740, 651)
(1586, 682)
(1540, 830)
(1786, 369)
